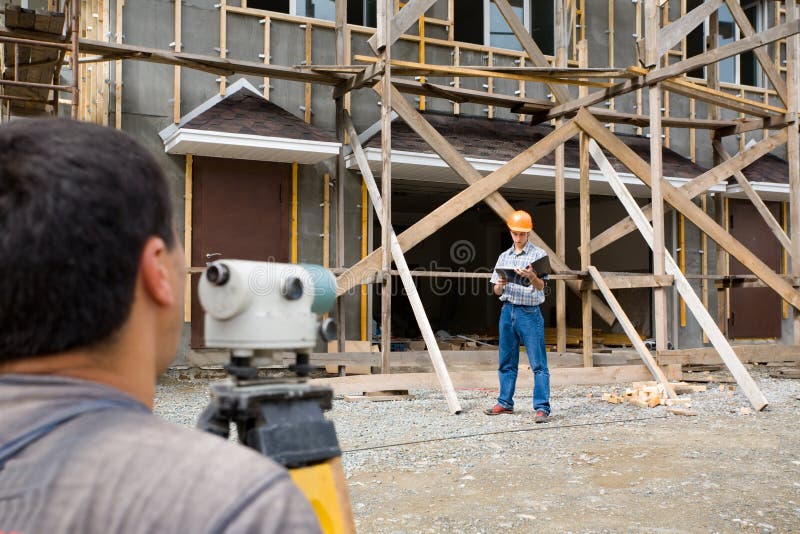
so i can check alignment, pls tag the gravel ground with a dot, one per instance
(596, 467)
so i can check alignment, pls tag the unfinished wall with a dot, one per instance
(147, 102)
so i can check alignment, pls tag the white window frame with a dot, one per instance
(760, 24)
(487, 23)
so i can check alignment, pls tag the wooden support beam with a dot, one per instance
(342, 38)
(631, 332)
(459, 203)
(187, 237)
(401, 22)
(529, 45)
(384, 9)
(413, 68)
(585, 235)
(722, 99)
(696, 186)
(616, 374)
(561, 44)
(652, 18)
(467, 172)
(743, 378)
(118, 68)
(659, 75)
(762, 208)
(211, 64)
(793, 148)
(176, 83)
(762, 353)
(761, 55)
(671, 35)
(682, 203)
(402, 266)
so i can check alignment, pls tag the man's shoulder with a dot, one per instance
(154, 437)
(214, 481)
(535, 251)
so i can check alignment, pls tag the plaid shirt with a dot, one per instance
(515, 293)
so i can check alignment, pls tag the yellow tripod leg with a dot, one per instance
(325, 487)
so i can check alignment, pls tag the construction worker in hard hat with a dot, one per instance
(520, 319)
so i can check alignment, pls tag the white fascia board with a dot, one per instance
(488, 166)
(172, 144)
(768, 190)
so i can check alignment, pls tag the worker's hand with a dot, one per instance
(500, 286)
(527, 273)
(530, 274)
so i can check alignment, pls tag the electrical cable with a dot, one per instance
(513, 430)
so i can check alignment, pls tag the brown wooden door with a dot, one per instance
(755, 312)
(240, 209)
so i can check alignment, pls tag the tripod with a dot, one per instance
(282, 418)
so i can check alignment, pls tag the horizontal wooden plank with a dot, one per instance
(461, 358)
(618, 374)
(761, 353)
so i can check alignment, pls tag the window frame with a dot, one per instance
(762, 13)
(487, 23)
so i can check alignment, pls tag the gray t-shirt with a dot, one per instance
(122, 469)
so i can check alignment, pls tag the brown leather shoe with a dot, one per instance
(497, 410)
(541, 417)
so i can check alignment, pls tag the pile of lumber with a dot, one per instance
(651, 394)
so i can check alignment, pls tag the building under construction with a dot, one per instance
(316, 130)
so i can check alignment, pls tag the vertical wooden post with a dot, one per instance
(293, 248)
(421, 56)
(176, 84)
(326, 220)
(793, 149)
(118, 69)
(366, 335)
(585, 224)
(384, 14)
(187, 238)
(720, 203)
(223, 39)
(704, 261)
(267, 48)
(75, 30)
(560, 221)
(652, 27)
(342, 58)
(307, 92)
(721, 217)
(456, 79)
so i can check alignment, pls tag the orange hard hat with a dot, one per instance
(520, 221)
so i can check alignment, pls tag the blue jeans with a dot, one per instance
(523, 324)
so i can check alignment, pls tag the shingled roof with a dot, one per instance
(767, 169)
(242, 124)
(502, 140)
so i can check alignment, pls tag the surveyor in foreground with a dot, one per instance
(91, 310)
(521, 291)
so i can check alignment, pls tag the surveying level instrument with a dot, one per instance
(256, 309)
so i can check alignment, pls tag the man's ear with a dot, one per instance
(154, 269)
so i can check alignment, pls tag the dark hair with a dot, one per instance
(77, 204)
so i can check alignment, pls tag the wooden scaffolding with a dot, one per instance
(591, 116)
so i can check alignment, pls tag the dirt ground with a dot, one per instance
(596, 467)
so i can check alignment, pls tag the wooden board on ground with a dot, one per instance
(484, 379)
(380, 396)
(761, 353)
(420, 360)
(786, 372)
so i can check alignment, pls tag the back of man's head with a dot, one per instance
(77, 204)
